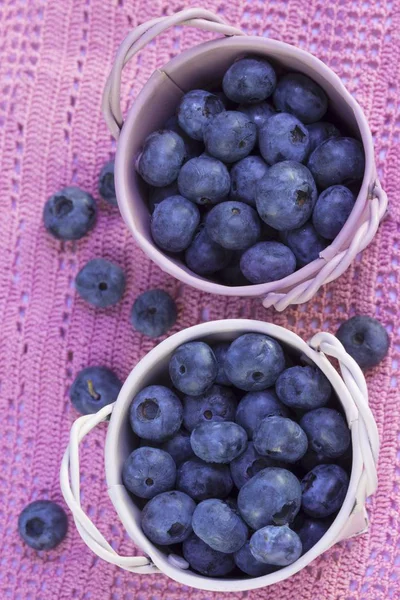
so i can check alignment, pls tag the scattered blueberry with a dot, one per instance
(284, 137)
(93, 388)
(310, 531)
(205, 560)
(202, 480)
(204, 180)
(204, 256)
(303, 387)
(298, 94)
(233, 225)
(276, 545)
(195, 110)
(327, 431)
(332, 210)
(216, 404)
(267, 261)
(321, 131)
(280, 438)
(158, 194)
(174, 223)
(250, 565)
(219, 526)
(245, 466)
(70, 213)
(156, 413)
(179, 447)
(43, 525)
(255, 406)
(305, 243)
(153, 313)
(324, 490)
(218, 441)
(220, 351)
(230, 136)
(365, 339)
(257, 113)
(249, 80)
(100, 282)
(193, 368)
(148, 472)
(106, 183)
(162, 156)
(339, 160)
(167, 518)
(245, 175)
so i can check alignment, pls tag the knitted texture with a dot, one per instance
(55, 56)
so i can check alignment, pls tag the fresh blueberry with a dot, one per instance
(204, 256)
(257, 113)
(365, 339)
(205, 560)
(178, 446)
(148, 472)
(298, 94)
(305, 243)
(339, 160)
(250, 565)
(255, 406)
(286, 195)
(332, 210)
(310, 531)
(204, 180)
(327, 431)
(321, 131)
(100, 282)
(220, 351)
(158, 194)
(249, 80)
(193, 368)
(324, 490)
(216, 404)
(153, 313)
(303, 387)
(202, 480)
(156, 413)
(174, 223)
(284, 137)
(271, 497)
(245, 175)
(42, 525)
(195, 110)
(254, 361)
(167, 518)
(162, 156)
(280, 438)
(106, 183)
(245, 466)
(230, 136)
(219, 526)
(70, 213)
(267, 261)
(232, 274)
(233, 225)
(276, 545)
(218, 441)
(93, 388)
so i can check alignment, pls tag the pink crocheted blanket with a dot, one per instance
(55, 56)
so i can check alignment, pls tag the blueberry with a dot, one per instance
(250, 565)
(156, 413)
(153, 313)
(174, 223)
(280, 438)
(158, 194)
(254, 361)
(148, 472)
(327, 431)
(365, 339)
(245, 175)
(233, 225)
(230, 136)
(218, 441)
(267, 261)
(195, 110)
(284, 137)
(298, 94)
(255, 406)
(220, 351)
(193, 368)
(42, 525)
(276, 545)
(245, 466)
(271, 497)
(219, 526)
(167, 518)
(205, 560)
(70, 213)
(204, 256)
(100, 282)
(202, 480)
(106, 183)
(332, 210)
(321, 131)
(310, 531)
(257, 113)
(216, 404)
(249, 80)
(193, 147)
(339, 160)
(303, 387)
(93, 388)
(305, 243)
(286, 195)
(324, 490)
(162, 157)
(179, 447)
(204, 180)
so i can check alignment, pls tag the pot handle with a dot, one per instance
(137, 39)
(70, 487)
(339, 263)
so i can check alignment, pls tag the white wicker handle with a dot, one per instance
(137, 39)
(70, 487)
(339, 263)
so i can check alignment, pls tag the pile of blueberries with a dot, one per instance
(243, 461)
(245, 191)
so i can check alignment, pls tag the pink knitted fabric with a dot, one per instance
(55, 56)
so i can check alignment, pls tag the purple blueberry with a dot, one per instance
(321, 131)
(230, 136)
(167, 518)
(365, 339)
(257, 113)
(162, 156)
(284, 137)
(339, 160)
(100, 282)
(93, 388)
(255, 406)
(195, 110)
(205, 560)
(216, 404)
(70, 213)
(178, 446)
(305, 243)
(303, 387)
(245, 466)
(148, 472)
(219, 526)
(281, 439)
(332, 210)
(267, 261)
(299, 95)
(218, 441)
(156, 413)
(193, 368)
(245, 175)
(220, 351)
(310, 531)
(158, 194)
(250, 565)
(324, 490)
(202, 480)
(276, 545)
(43, 525)
(204, 180)
(174, 223)
(106, 183)
(249, 80)
(153, 313)
(327, 431)
(204, 256)
(233, 225)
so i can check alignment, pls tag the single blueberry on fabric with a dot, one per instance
(100, 282)
(154, 312)
(93, 388)
(201, 480)
(216, 404)
(230, 136)
(158, 194)
(267, 261)
(310, 531)
(249, 80)
(179, 447)
(204, 256)
(255, 406)
(258, 113)
(284, 137)
(281, 439)
(332, 210)
(324, 490)
(338, 160)
(218, 441)
(148, 472)
(42, 525)
(156, 413)
(327, 431)
(233, 225)
(219, 526)
(247, 563)
(70, 213)
(303, 387)
(193, 368)
(250, 462)
(365, 339)
(106, 183)
(204, 180)
(245, 175)
(205, 560)
(305, 243)
(167, 518)
(162, 156)
(276, 545)
(321, 131)
(174, 223)
(299, 95)
(196, 108)
(220, 351)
